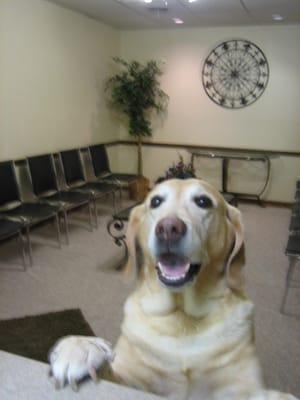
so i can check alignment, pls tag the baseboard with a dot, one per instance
(268, 203)
(277, 204)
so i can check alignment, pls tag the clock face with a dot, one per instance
(235, 74)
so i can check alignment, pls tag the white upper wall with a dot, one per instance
(53, 63)
(272, 122)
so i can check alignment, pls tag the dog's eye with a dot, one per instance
(203, 202)
(156, 201)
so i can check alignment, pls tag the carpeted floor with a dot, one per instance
(81, 276)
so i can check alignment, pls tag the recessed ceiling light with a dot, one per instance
(178, 21)
(148, 1)
(192, 1)
(277, 17)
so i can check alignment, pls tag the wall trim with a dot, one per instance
(209, 148)
(113, 143)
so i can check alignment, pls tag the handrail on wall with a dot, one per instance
(269, 153)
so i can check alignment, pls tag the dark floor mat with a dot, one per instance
(33, 336)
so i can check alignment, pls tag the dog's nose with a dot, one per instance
(170, 229)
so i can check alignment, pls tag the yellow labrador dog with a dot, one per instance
(188, 327)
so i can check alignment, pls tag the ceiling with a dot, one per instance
(137, 14)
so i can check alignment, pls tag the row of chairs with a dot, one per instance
(293, 246)
(51, 200)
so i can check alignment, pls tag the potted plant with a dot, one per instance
(180, 170)
(135, 92)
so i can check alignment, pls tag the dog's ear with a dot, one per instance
(236, 257)
(132, 265)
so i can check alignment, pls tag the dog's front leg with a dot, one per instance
(73, 358)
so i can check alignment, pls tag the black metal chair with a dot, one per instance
(102, 169)
(11, 204)
(293, 253)
(293, 246)
(45, 187)
(9, 229)
(295, 224)
(296, 209)
(76, 180)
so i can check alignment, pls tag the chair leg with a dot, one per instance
(21, 246)
(96, 213)
(58, 230)
(114, 202)
(27, 231)
(291, 269)
(66, 224)
(284, 298)
(292, 265)
(90, 215)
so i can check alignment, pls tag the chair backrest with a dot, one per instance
(72, 167)
(42, 173)
(100, 160)
(9, 189)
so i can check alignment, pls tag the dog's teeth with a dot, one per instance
(171, 278)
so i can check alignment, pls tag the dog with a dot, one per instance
(188, 327)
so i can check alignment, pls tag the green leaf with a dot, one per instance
(134, 91)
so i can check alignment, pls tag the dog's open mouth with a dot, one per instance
(175, 270)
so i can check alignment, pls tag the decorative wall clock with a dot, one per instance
(235, 74)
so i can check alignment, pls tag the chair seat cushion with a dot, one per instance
(9, 228)
(295, 223)
(296, 209)
(124, 214)
(71, 197)
(127, 178)
(293, 245)
(98, 188)
(35, 212)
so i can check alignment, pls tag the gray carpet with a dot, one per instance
(81, 276)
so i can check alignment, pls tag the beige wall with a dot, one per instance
(52, 66)
(270, 123)
(53, 63)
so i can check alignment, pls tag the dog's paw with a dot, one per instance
(75, 357)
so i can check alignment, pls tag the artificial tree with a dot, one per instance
(135, 91)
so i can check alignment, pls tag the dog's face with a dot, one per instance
(183, 227)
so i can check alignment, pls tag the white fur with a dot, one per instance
(73, 357)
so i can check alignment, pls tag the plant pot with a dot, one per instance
(139, 189)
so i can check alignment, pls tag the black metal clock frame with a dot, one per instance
(235, 74)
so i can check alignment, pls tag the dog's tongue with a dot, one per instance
(173, 266)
